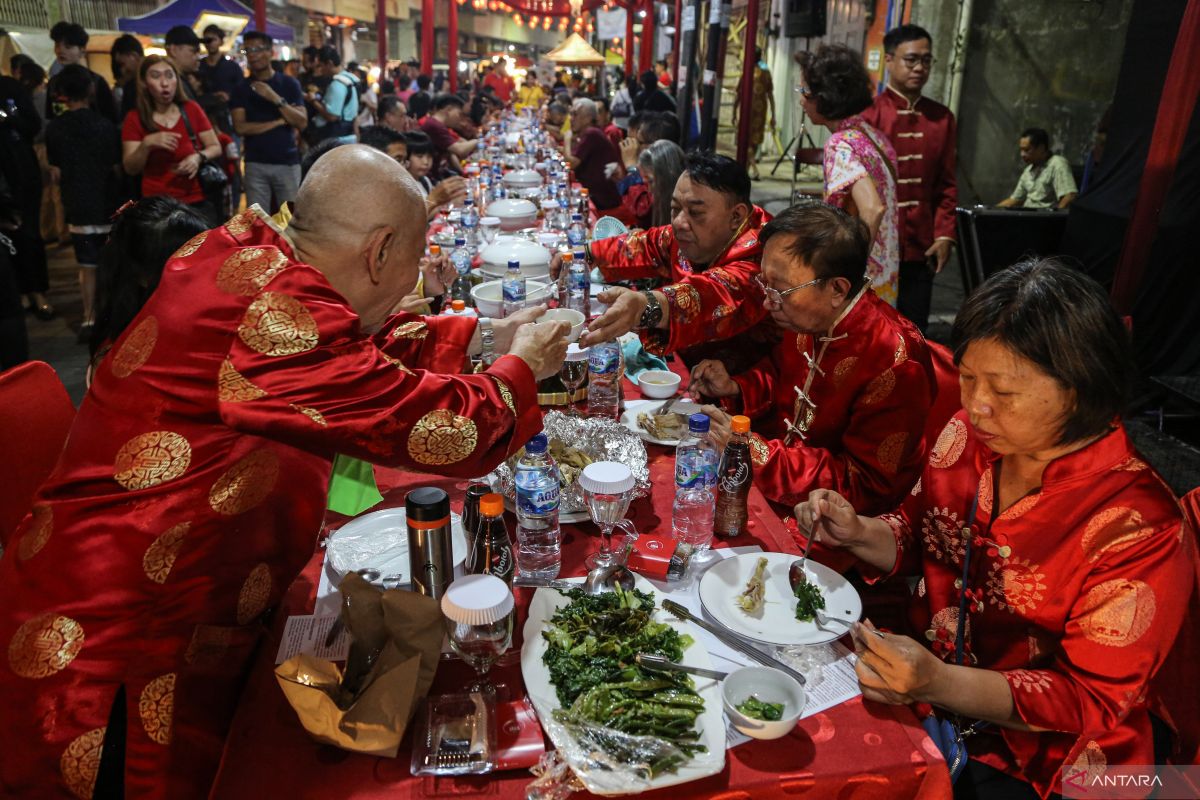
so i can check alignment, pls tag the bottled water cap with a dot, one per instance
(537, 445)
(698, 423)
(459, 241)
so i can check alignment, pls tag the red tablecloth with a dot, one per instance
(854, 750)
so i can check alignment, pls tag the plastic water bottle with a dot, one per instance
(579, 286)
(470, 223)
(696, 461)
(460, 257)
(604, 379)
(577, 233)
(513, 289)
(539, 543)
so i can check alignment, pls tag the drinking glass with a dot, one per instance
(481, 646)
(572, 374)
(490, 227)
(608, 512)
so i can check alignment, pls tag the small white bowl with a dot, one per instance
(489, 297)
(569, 315)
(658, 384)
(772, 686)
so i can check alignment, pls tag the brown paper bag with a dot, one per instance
(396, 644)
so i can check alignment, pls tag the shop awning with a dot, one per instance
(190, 12)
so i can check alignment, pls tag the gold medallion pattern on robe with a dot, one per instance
(239, 224)
(1116, 613)
(161, 554)
(941, 532)
(135, 350)
(505, 394)
(191, 245)
(234, 387)
(1016, 584)
(151, 459)
(901, 354)
(802, 342)
(1028, 680)
(1017, 509)
(397, 363)
(255, 594)
(250, 269)
(1112, 530)
(311, 413)
(411, 330)
(442, 437)
(879, 388)
(949, 445)
(891, 450)
(759, 451)
(947, 620)
(156, 707)
(844, 368)
(246, 484)
(44, 645)
(686, 300)
(1091, 761)
(278, 325)
(208, 645)
(80, 762)
(1131, 465)
(41, 525)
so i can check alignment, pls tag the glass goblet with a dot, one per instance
(607, 490)
(572, 373)
(479, 621)
(490, 228)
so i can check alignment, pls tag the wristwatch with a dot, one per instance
(653, 313)
(281, 103)
(487, 340)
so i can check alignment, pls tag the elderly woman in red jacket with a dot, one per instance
(1054, 566)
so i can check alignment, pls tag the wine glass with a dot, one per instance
(607, 490)
(479, 621)
(490, 228)
(572, 374)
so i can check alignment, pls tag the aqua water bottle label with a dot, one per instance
(539, 501)
(514, 291)
(579, 280)
(603, 360)
(690, 471)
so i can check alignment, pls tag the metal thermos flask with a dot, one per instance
(430, 554)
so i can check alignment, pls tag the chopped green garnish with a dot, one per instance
(760, 709)
(809, 599)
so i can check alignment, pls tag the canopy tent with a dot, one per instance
(230, 15)
(575, 51)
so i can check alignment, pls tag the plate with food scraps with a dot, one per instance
(665, 429)
(773, 620)
(379, 541)
(709, 723)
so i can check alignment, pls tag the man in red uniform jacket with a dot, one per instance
(923, 134)
(706, 260)
(192, 487)
(844, 399)
(501, 81)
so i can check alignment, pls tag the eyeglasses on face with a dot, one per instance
(253, 51)
(912, 61)
(774, 297)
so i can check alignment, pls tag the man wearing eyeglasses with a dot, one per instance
(846, 398)
(923, 133)
(268, 109)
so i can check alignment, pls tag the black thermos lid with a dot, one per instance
(427, 504)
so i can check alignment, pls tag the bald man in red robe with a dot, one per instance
(192, 486)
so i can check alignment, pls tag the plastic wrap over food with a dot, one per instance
(593, 438)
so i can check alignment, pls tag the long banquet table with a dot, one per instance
(853, 750)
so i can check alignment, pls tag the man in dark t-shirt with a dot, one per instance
(268, 110)
(70, 46)
(448, 150)
(590, 154)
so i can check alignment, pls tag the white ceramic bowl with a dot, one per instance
(513, 214)
(522, 179)
(568, 315)
(489, 300)
(770, 685)
(658, 384)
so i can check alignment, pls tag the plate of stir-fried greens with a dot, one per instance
(579, 669)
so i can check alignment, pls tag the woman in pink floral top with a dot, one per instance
(860, 171)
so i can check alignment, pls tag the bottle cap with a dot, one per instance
(514, 265)
(698, 423)
(549, 205)
(491, 504)
(477, 600)
(584, 191)
(435, 250)
(427, 504)
(740, 424)
(576, 353)
(468, 202)
(607, 477)
(576, 217)
(567, 258)
(457, 305)
(459, 241)
(537, 445)
(489, 220)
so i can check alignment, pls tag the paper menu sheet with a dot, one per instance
(307, 634)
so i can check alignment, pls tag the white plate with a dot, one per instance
(634, 407)
(776, 622)
(710, 723)
(385, 545)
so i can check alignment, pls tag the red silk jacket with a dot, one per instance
(1075, 595)
(870, 388)
(924, 136)
(717, 302)
(191, 493)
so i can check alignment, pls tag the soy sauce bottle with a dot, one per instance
(491, 552)
(734, 477)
